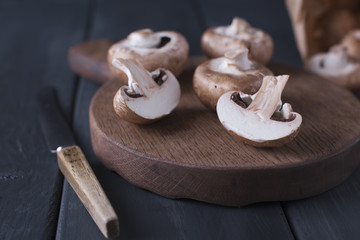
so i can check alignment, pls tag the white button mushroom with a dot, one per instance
(148, 96)
(260, 120)
(218, 40)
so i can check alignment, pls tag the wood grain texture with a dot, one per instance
(79, 174)
(189, 154)
(332, 215)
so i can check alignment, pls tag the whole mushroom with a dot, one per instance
(341, 64)
(165, 49)
(217, 40)
(149, 96)
(234, 71)
(261, 119)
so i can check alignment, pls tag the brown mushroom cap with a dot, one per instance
(217, 40)
(270, 143)
(126, 113)
(352, 44)
(210, 83)
(166, 49)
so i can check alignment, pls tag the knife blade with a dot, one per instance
(73, 164)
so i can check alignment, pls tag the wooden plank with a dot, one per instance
(331, 215)
(270, 16)
(142, 214)
(33, 52)
(115, 20)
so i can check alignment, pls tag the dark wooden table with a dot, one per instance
(35, 201)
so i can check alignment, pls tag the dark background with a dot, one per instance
(34, 202)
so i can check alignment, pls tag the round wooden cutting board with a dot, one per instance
(188, 154)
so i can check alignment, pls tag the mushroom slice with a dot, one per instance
(218, 40)
(165, 49)
(337, 66)
(234, 71)
(148, 96)
(260, 120)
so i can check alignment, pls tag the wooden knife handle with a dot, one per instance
(82, 179)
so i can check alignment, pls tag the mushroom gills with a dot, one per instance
(163, 42)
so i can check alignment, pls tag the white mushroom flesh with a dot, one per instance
(240, 29)
(332, 64)
(151, 99)
(144, 39)
(145, 42)
(254, 122)
(286, 111)
(265, 101)
(234, 62)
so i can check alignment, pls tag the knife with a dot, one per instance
(73, 164)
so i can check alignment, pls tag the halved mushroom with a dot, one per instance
(341, 64)
(148, 96)
(217, 40)
(166, 49)
(234, 71)
(261, 119)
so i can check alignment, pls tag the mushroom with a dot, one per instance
(352, 44)
(234, 71)
(149, 96)
(218, 40)
(260, 120)
(341, 64)
(166, 49)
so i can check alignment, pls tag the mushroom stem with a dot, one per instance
(139, 79)
(336, 58)
(238, 58)
(144, 38)
(267, 99)
(237, 26)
